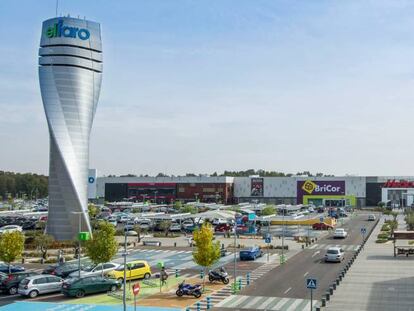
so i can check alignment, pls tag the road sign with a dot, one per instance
(135, 288)
(268, 240)
(311, 283)
(321, 219)
(363, 230)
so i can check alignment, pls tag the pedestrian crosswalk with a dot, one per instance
(345, 247)
(265, 303)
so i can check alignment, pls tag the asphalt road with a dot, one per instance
(289, 280)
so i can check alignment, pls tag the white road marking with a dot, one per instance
(266, 303)
(306, 273)
(316, 253)
(286, 291)
(293, 306)
(280, 304)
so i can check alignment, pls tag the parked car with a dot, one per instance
(251, 253)
(219, 221)
(33, 286)
(340, 233)
(95, 270)
(334, 254)
(138, 269)
(10, 282)
(62, 271)
(223, 228)
(13, 269)
(79, 287)
(10, 228)
(321, 226)
(371, 217)
(175, 226)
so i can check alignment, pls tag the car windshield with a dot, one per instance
(332, 251)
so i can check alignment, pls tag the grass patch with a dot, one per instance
(385, 227)
(383, 236)
(381, 241)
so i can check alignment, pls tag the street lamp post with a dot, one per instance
(235, 252)
(79, 246)
(283, 237)
(124, 280)
(155, 197)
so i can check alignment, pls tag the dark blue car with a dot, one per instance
(251, 253)
(4, 268)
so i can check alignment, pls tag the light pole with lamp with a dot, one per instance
(235, 252)
(79, 239)
(125, 264)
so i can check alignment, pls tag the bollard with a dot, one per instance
(240, 283)
(187, 309)
(303, 246)
(201, 274)
(198, 306)
(334, 286)
(327, 295)
(331, 290)
(248, 278)
(337, 281)
(340, 277)
(176, 273)
(208, 303)
(175, 244)
(323, 300)
(317, 308)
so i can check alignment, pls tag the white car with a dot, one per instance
(95, 270)
(219, 221)
(340, 233)
(371, 217)
(10, 228)
(334, 254)
(175, 226)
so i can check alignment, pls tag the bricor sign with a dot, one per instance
(318, 187)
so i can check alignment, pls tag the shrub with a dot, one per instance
(383, 236)
(385, 227)
(381, 241)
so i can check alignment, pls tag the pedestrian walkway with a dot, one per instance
(265, 303)
(175, 259)
(346, 248)
(376, 281)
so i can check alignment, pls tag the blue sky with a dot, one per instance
(204, 86)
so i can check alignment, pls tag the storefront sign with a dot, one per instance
(398, 184)
(256, 187)
(317, 187)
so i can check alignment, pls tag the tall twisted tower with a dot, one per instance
(70, 75)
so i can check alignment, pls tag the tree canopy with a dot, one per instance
(16, 184)
(11, 246)
(103, 245)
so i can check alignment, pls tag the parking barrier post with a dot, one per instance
(198, 305)
(248, 278)
(208, 302)
(176, 273)
(323, 300)
(240, 283)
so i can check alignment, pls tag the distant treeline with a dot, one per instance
(245, 173)
(18, 185)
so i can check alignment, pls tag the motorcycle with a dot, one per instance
(189, 290)
(220, 275)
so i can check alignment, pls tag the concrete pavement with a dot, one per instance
(377, 281)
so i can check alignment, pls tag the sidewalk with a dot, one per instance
(376, 281)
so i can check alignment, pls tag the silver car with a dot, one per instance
(334, 254)
(40, 284)
(95, 270)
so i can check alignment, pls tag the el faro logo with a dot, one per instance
(59, 30)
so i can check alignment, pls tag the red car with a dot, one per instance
(321, 226)
(223, 228)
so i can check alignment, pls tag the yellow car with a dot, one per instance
(138, 269)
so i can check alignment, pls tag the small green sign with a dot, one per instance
(84, 236)
(160, 264)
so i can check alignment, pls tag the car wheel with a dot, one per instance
(147, 275)
(80, 293)
(13, 290)
(113, 288)
(33, 294)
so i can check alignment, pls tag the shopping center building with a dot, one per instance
(328, 191)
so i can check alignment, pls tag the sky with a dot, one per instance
(204, 86)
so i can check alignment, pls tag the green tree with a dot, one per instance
(188, 209)
(207, 252)
(93, 211)
(103, 245)
(11, 246)
(268, 210)
(138, 230)
(178, 205)
(165, 226)
(43, 243)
